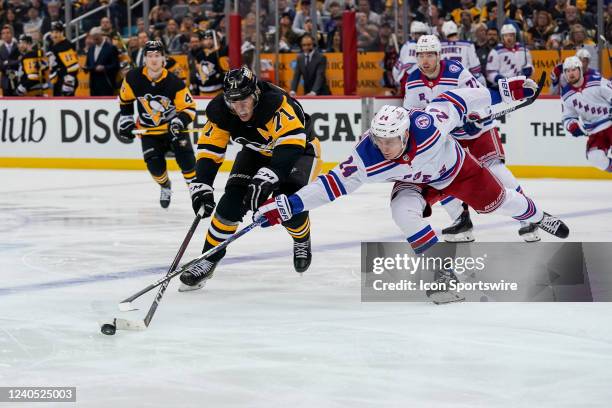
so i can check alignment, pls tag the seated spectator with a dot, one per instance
(289, 38)
(465, 29)
(367, 37)
(102, 64)
(364, 7)
(466, 6)
(310, 65)
(138, 55)
(482, 44)
(33, 24)
(308, 26)
(300, 17)
(538, 34)
(558, 11)
(173, 39)
(10, 18)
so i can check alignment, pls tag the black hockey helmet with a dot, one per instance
(239, 83)
(155, 45)
(206, 34)
(58, 26)
(25, 38)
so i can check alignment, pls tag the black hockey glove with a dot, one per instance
(175, 128)
(202, 197)
(126, 126)
(262, 185)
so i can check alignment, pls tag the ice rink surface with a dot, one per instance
(74, 243)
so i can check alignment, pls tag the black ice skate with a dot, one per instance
(301, 255)
(529, 232)
(460, 230)
(442, 293)
(196, 276)
(165, 195)
(553, 225)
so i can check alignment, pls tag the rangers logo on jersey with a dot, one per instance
(422, 122)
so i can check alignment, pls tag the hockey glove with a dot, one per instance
(175, 128)
(202, 197)
(21, 91)
(262, 185)
(516, 88)
(275, 210)
(575, 129)
(126, 127)
(68, 85)
(471, 125)
(527, 71)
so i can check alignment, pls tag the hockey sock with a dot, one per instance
(299, 228)
(453, 206)
(504, 175)
(189, 175)
(423, 239)
(520, 207)
(219, 231)
(162, 180)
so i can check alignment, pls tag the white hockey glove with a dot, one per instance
(21, 90)
(516, 88)
(68, 85)
(275, 210)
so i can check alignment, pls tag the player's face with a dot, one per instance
(154, 61)
(428, 62)
(57, 36)
(244, 108)
(509, 40)
(390, 147)
(23, 46)
(572, 75)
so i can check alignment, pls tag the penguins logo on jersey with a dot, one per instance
(157, 108)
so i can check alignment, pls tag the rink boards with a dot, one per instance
(81, 133)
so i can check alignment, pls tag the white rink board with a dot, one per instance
(86, 128)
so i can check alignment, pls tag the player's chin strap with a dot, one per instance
(496, 115)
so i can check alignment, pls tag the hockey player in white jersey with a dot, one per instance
(508, 59)
(406, 62)
(433, 77)
(413, 149)
(587, 106)
(557, 79)
(463, 52)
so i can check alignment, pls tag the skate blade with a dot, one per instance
(531, 237)
(187, 288)
(441, 298)
(461, 237)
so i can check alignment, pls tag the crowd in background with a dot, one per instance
(542, 24)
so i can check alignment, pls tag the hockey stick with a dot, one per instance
(161, 132)
(177, 258)
(528, 102)
(125, 304)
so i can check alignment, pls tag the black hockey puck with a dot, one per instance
(108, 329)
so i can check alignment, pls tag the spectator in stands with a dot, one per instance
(10, 18)
(530, 9)
(284, 8)
(554, 42)
(33, 24)
(310, 65)
(138, 55)
(196, 10)
(54, 13)
(466, 6)
(482, 45)
(558, 11)
(538, 34)
(364, 7)
(320, 41)
(300, 17)
(172, 38)
(367, 36)
(465, 29)
(102, 64)
(140, 25)
(289, 39)
(334, 36)
(187, 26)
(9, 61)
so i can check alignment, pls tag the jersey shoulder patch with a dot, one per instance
(452, 69)
(422, 129)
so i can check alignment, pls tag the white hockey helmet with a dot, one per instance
(508, 29)
(418, 27)
(583, 53)
(428, 43)
(389, 122)
(571, 63)
(449, 28)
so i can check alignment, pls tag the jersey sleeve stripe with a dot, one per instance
(338, 182)
(212, 148)
(327, 187)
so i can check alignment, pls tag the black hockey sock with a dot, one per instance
(189, 175)
(162, 180)
(219, 231)
(299, 228)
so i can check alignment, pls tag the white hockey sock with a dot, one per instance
(520, 207)
(453, 206)
(504, 175)
(599, 159)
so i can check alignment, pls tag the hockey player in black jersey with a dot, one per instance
(165, 109)
(279, 155)
(211, 65)
(31, 68)
(63, 62)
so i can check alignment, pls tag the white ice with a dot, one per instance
(74, 243)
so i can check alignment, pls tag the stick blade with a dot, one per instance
(127, 307)
(134, 325)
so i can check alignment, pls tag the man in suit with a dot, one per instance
(138, 55)
(311, 66)
(102, 65)
(9, 61)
